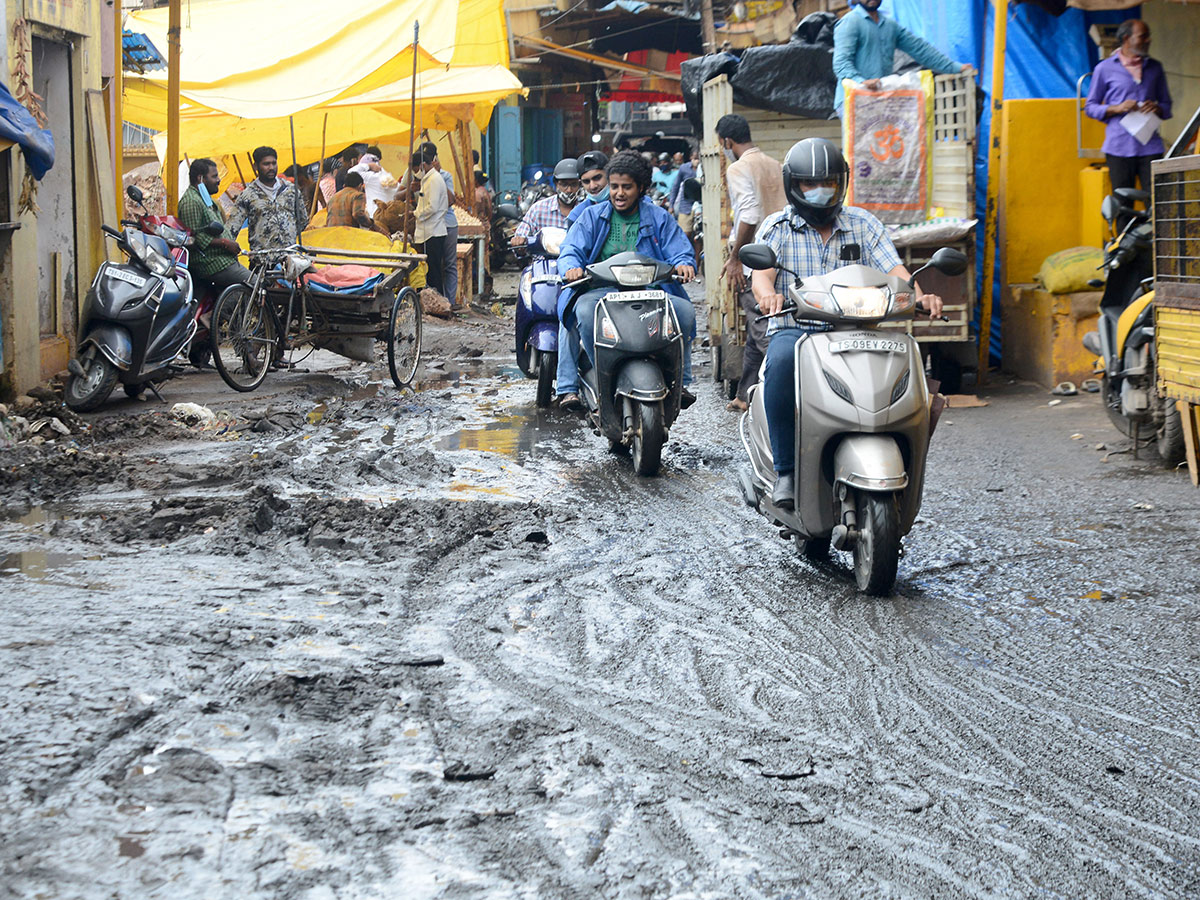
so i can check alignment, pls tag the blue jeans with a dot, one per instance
(779, 396)
(568, 361)
(583, 317)
(450, 265)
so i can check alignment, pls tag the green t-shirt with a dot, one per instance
(622, 234)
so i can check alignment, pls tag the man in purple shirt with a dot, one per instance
(1129, 81)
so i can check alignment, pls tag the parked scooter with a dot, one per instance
(171, 230)
(862, 418)
(505, 219)
(1124, 341)
(633, 393)
(537, 312)
(137, 318)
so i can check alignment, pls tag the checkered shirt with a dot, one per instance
(798, 247)
(543, 214)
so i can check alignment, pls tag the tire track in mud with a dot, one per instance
(644, 692)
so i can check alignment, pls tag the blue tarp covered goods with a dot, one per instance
(20, 127)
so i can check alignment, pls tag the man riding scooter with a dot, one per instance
(627, 221)
(814, 235)
(553, 212)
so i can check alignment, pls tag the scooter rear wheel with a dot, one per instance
(546, 364)
(649, 435)
(877, 550)
(86, 392)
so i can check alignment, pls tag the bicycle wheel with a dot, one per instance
(243, 338)
(404, 337)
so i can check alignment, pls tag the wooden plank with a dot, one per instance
(1190, 415)
(102, 168)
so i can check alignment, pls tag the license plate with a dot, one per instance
(630, 296)
(128, 277)
(871, 345)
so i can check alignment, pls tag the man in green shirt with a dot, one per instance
(213, 261)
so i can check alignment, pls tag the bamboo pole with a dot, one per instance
(410, 215)
(171, 175)
(237, 165)
(991, 227)
(458, 166)
(320, 169)
(295, 172)
(118, 111)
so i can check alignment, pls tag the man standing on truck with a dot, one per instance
(864, 46)
(755, 183)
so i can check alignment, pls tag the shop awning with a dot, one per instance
(260, 59)
(664, 87)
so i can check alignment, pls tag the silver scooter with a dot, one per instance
(862, 418)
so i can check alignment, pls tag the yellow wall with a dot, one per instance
(1040, 203)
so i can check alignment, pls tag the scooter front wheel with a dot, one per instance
(87, 391)
(649, 435)
(877, 550)
(546, 364)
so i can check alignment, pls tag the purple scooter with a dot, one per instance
(537, 312)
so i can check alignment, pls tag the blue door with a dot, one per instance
(543, 137)
(506, 139)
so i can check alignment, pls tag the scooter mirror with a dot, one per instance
(134, 193)
(216, 229)
(949, 261)
(757, 256)
(692, 190)
(1109, 208)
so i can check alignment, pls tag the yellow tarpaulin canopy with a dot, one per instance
(444, 98)
(239, 94)
(263, 59)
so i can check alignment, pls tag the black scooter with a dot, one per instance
(633, 392)
(505, 219)
(137, 318)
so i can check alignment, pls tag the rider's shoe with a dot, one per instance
(783, 495)
(570, 401)
(686, 399)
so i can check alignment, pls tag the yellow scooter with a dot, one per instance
(1124, 341)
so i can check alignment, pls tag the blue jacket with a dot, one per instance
(659, 236)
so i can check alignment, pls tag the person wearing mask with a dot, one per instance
(1129, 81)
(594, 180)
(271, 207)
(429, 232)
(663, 174)
(349, 205)
(755, 184)
(808, 237)
(378, 181)
(214, 259)
(865, 44)
(552, 212)
(627, 220)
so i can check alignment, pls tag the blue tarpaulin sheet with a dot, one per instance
(1046, 55)
(20, 127)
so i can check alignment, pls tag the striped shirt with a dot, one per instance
(798, 247)
(543, 214)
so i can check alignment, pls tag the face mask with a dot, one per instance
(204, 194)
(569, 198)
(601, 195)
(729, 155)
(819, 196)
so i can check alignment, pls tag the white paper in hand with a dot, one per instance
(1142, 125)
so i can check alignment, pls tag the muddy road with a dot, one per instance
(353, 643)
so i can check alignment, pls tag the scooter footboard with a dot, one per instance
(544, 336)
(870, 462)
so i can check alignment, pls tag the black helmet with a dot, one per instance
(566, 170)
(815, 160)
(593, 159)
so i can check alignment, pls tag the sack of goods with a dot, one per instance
(1068, 271)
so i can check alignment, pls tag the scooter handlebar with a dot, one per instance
(110, 231)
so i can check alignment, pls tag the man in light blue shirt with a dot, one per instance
(865, 43)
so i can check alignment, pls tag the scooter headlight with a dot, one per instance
(634, 275)
(552, 239)
(862, 302)
(173, 236)
(526, 289)
(151, 251)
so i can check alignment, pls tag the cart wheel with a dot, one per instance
(404, 337)
(243, 338)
